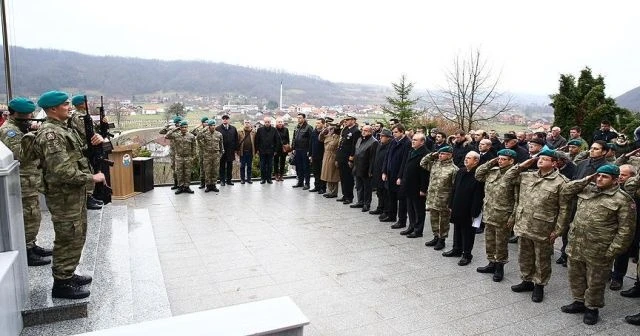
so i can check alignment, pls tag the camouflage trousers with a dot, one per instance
(69, 217)
(211, 165)
(497, 243)
(201, 161)
(183, 170)
(534, 258)
(32, 217)
(588, 282)
(439, 222)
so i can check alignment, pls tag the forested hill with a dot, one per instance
(38, 70)
(630, 99)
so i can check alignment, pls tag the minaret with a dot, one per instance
(280, 107)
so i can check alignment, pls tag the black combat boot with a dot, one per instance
(633, 319)
(41, 251)
(34, 259)
(202, 184)
(175, 182)
(538, 293)
(439, 245)
(187, 190)
(524, 286)
(180, 190)
(68, 289)
(498, 274)
(575, 307)
(490, 268)
(81, 280)
(432, 242)
(590, 316)
(208, 188)
(633, 292)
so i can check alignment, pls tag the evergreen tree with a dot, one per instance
(402, 106)
(176, 109)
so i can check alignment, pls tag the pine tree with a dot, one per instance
(402, 106)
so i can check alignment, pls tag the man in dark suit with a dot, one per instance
(317, 152)
(230, 141)
(511, 142)
(363, 167)
(346, 150)
(414, 183)
(392, 174)
(376, 176)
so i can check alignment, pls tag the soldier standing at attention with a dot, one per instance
(185, 149)
(442, 174)
(66, 177)
(211, 140)
(172, 153)
(203, 127)
(602, 228)
(12, 134)
(498, 211)
(346, 150)
(538, 220)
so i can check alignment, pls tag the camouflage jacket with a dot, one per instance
(604, 224)
(184, 145)
(195, 132)
(540, 209)
(166, 129)
(30, 175)
(500, 195)
(76, 121)
(211, 142)
(443, 173)
(632, 160)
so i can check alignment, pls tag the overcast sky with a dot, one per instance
(353, 41)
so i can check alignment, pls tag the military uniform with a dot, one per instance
(212, 149)
(184, 147)
(172, 154)
(603, 228)
(442, 175)
(76, 121)
(201, 150)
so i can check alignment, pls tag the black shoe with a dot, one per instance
(615, 285)
(561, 260)
(365, 208)
(513, 240)
(439, 245)
(538, 293)
(179, 191)
(67, 289)
(222, 183)
(41, 251)
(633, 319)
(524, 286)
(398, 225)
(214, 188)
(387, 219)
(356, 206)
(306, 187)
(465, 260)
(241, 181)
(452, 253)
(490, 268)
(176, 187)
(633, 292)
(249, 181)
(405, 232)
(229, 183)
(590, 316)
(330, 195)
(498, 274)
(314, 189)
(187, 190)
(269, 181)
(35, 260)
(576, 307)
(432, 242)
(347, 201)
(375, 212)
(81, 280)
(414, 235)
(202, 186)
(341, 199)
(92, 205)
(263, 182)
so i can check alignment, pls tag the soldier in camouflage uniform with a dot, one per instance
(66, 178)
(12, 134)
(203, 127)
(184, 149)
(498, 212)
(175, 124)
(602, 228)
(212, 148)
(538, 220)
(443, 173)
(631, 158)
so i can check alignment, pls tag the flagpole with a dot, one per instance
(5, 45)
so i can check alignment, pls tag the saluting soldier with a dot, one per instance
(174, 124)
(602, 228)
(213, 149)
(498, 212)
(12, 134)
(443, 173)
(66, 178)
(185, 150)
(201, 128)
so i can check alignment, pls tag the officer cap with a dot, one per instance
(328, 119)
(445, 149)
(349, 117)
(537, 141)
(509, 136)
(385, 132)
(548, 152)
(508, 152)
(609, 169)
(575, 143)
(302, 115)
(211, 122)
(204, 119)
(225, 116)
(22, 105)
(184, 123)
(52, 99)
(77, 100)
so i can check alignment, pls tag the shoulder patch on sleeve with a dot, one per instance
(11, 133)
(50, 136)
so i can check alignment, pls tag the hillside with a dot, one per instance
(630, 99)
(38, 70)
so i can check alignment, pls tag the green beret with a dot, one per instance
(177, 119)
(577, 143)
(204, 119)
(548, 152)
(508, 152)
(184, 123)
(77, 100)
(52, 99)
(445, 149)
(211, 122)
(22, 105)
(609, 169)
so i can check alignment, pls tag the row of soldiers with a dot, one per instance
(52, 161)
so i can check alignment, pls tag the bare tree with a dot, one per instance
(471, 94)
